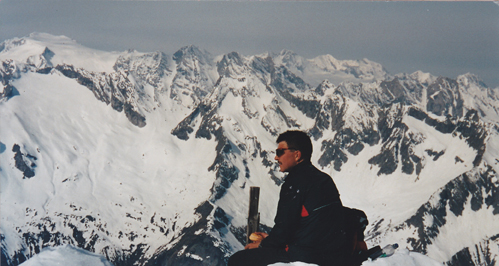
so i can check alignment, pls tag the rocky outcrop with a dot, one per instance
(25, 162)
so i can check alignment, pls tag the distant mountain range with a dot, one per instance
(148, 158)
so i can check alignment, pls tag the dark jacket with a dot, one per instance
(309, 219)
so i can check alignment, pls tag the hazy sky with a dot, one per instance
(443, 38)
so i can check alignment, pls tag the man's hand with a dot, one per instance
(256, 237)
(252, 245)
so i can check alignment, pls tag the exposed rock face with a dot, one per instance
(24, 162)
(198, 247)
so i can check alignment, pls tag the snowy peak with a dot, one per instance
(315, 70)
(35, 40)
(195, 76)
(438, 95)
(290, 60)
(149, 68)
(63, 51)
(418, 76)
(192, 53)
(236, 66)
(231, 64)
(325, 86)
(364, 68)
(469, 79)
(447, 96)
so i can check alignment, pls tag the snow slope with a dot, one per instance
(68, 256)
(91, 162)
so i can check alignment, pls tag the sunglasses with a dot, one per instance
(280, 152)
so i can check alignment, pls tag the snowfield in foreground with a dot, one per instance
(66, 255)
(72, 256)
(401, 257)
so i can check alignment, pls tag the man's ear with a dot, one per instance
(298, 156)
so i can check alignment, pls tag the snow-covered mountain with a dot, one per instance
(148, 158)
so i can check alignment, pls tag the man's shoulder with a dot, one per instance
(310, 174)
(318, 173)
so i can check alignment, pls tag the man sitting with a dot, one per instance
(309, 221)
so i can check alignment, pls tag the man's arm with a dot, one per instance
(287, 218)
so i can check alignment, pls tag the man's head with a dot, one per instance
(293, 148)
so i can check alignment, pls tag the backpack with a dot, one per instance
(355, 225)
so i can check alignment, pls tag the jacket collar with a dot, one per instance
(298, 168)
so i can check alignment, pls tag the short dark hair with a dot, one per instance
(298, 140)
